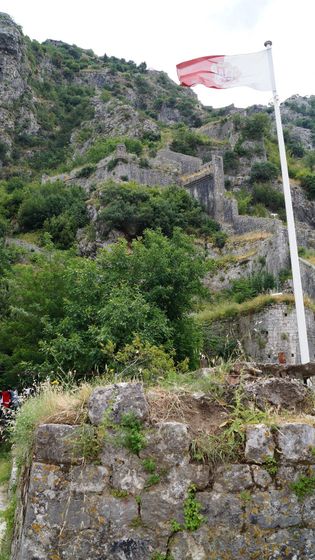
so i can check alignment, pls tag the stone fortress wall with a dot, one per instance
(107, 509)
(266, 333)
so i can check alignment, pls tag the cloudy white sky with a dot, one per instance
(165, 32)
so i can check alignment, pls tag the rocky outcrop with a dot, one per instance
(158, 502)
(16, 104)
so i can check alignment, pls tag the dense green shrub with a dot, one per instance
(230, 161)
(59, 209)
(186, 141)
(70, 313)
(86, 171)
(308, 183)
(104, 147)
(256, 126)
(252, 286)
(244, 199)
(263, 172)
(268, 196)
(132, 208)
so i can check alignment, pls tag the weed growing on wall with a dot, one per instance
(192, 515)
(304, 486)
(130, 433)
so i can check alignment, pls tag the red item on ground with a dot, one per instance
(6, 399)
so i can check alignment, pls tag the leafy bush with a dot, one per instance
(132, 208)
(230, 161)
(70, 313)
(42, 203)
(263, 172)
(256, 126)
(269, 196)
(252, 286)
(186, 141)
(104, 147)
(308, 183)
(86, 171)
(244, 199)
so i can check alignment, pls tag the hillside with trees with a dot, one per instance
(102, 273)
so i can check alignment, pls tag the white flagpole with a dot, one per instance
(297, 284)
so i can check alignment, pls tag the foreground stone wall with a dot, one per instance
(111, 508)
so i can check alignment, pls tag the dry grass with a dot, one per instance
(250, 237)
(66, 408)
(233, 309)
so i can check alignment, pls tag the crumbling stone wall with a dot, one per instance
(266, 333)
(110, 509)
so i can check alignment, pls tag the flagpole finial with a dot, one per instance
(267, 43)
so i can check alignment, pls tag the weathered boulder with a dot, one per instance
(259, 443)
(296, 442)
(284, 393)
(117, 400)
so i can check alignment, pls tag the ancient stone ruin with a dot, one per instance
(153, 496)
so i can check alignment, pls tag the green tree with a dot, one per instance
(263, 172)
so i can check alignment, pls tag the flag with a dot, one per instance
(229, 71)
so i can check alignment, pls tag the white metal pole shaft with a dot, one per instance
(297, 284)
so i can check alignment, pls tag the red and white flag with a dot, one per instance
(229, 71)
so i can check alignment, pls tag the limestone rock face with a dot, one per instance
(117, 400)
(14, 71)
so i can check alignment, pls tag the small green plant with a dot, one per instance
(175, 526)
(131, 433)
(192, 515)
(136, 522)
(304, 486)
(117, 493)
(8, 515)
(88, 443)
(149, 465)
(138, 500)
(152, 480)
(160, 556)
(5, 464)
(271, 465)
(245, 496)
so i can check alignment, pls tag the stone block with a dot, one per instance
(232, 478)
(296, 443)
(308, 511)
(168, 444)
(190, 545)
(276, 508)
(261, 477)
(119, 512)
(116, 401)
(259, 444)
(57, 444)
(221, 509)
(159, 507)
